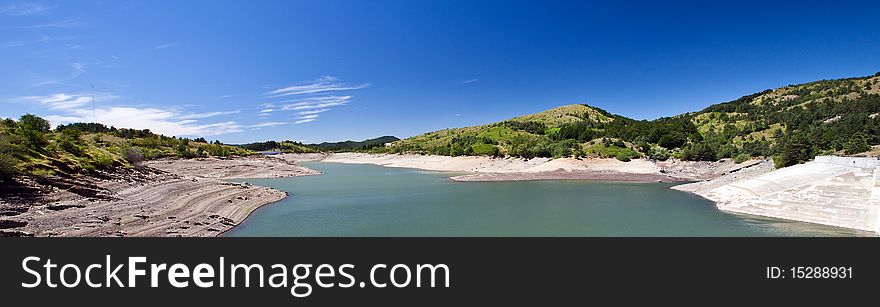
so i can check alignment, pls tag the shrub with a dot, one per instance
(8, 165)
(743, 157)
(9, 124)
(622, 157)
(481, 149)
(103, 160)
(133, 155)
(217, 150)
(182, 149)
(659, 153)
(70, 141)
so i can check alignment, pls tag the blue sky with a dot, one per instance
(242, 71)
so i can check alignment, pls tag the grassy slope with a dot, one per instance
(756, 121)
(96, 151)
(505, 135)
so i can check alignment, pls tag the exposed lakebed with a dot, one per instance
(369, 200)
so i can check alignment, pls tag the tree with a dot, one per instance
(33, 122)
(673, 140)
(857, 144)
(33, 129)
(795, 149)
(698, 152)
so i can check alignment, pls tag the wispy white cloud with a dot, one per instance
(308, 116)
(76, 70)
(267, 124)
(469, 81)
(163, 46)
(307, 112)
(64, 101)
(24, 9)
(45, 39)
(208, 114)
(323, 84)
(61, 24)
(157, 120)
(11, 44)
(311, 98)
(61, 119)
(77, 108)
(323, 102)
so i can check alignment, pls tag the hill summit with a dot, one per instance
(791, 124)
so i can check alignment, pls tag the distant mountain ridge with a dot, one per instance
(354, 145)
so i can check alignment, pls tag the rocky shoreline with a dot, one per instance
(516, 169)
(192, 197)
(163, 198)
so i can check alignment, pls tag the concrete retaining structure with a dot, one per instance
(836, 191)
(861, 162)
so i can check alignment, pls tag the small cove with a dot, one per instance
(376, 201)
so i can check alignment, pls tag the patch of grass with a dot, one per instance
(42, 172)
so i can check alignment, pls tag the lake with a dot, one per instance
(369, 200)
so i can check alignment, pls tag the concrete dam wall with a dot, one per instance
(860, 162)
(836, 191)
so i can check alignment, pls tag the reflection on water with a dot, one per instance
(368, 200)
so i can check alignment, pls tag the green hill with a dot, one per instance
(355, 145)
(534, 135)
(29, 147)
(791, 124)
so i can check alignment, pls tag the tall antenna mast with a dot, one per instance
(94, 116)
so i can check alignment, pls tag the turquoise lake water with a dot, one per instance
(368, 200)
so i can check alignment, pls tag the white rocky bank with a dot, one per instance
(836, 191)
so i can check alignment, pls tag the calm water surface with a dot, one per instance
(368, 200)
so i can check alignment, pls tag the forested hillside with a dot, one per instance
(790, 124)
(283, 146)
(355, 145)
